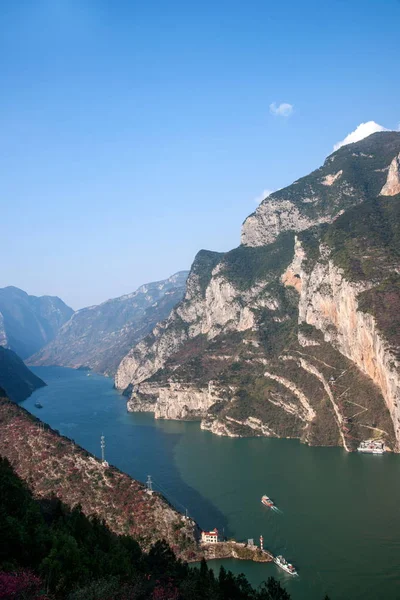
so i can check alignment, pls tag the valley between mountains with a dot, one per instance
(295, 333)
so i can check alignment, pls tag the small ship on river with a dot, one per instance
(267, 502)
(279, 560)
(285, 565)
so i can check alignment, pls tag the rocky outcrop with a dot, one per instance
(220, 307)
(27, 323)
(306, 412)
(147, 357)
(272, 217)
(392, 185)
(331, 179)
(230, 427)
(238, 550)
(292, 275)
(173, 401)
(98, 337)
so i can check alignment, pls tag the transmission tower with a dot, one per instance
(149, 485)
(103, 447)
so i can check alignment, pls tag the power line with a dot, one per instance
(168, 495)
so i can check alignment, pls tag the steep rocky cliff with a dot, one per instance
(27, 323)
(15, 378)
(296, 333)
(99, 336)
(348, 177)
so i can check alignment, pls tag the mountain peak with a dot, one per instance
(29, 322)
(353, 173)
(362, 131)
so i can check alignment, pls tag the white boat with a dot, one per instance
(372, 447)
(285, 565)
(267, 501)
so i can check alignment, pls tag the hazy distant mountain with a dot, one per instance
(99, 336)
(27, 323)
(15, 377)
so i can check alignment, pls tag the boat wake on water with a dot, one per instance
(277, 510)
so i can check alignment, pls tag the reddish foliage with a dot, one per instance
(53, 465)
(166, 592)
(21, 585)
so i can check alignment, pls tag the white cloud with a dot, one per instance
(263, 195)
(361, 132)
(282, 110)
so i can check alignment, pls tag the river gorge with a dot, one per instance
(339, 511)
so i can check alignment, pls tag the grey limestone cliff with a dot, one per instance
(295, 333)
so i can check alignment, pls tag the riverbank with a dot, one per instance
(220, 481)
(233, 549)
(52, 464)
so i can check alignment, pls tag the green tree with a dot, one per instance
(272, 590)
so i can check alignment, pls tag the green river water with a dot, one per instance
(339, 521)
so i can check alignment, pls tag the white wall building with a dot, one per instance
(209, 537)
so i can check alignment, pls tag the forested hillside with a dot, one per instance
(48, 551)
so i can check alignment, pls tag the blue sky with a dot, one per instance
(134, 134)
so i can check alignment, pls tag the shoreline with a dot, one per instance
(51, 463)
(234, 549)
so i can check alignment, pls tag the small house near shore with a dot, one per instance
(209, 537)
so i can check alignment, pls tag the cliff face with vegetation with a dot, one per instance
(296, 333)
(15, 378)
(98, 337)
(27, 323)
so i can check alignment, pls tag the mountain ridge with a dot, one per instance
(259, 344)
(28, 322)
(324, 194)
(15, 378)
(99, 336)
